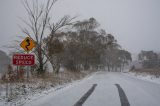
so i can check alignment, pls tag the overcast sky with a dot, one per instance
(134, 23)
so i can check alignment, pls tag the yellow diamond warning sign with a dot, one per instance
(27, 44)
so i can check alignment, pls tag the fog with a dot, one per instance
(134, 23)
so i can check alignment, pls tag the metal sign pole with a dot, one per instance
(17, 73)
(27, 72)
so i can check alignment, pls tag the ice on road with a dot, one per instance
(138, 92)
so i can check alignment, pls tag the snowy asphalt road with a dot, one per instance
(105, 93)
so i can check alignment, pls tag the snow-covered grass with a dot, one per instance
(21, 92)
(145, 76)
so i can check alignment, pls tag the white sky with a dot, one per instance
(134, 23)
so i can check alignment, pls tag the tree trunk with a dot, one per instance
(108, 67)
(40, 59)
(57, 69)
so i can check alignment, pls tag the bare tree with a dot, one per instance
(37, 24)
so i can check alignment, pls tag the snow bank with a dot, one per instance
(144, 76)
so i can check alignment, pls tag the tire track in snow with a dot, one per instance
(85, 96)
(122, 95)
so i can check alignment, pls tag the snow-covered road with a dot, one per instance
(138, 92)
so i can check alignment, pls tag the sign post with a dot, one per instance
(25, 59)
(27, 44)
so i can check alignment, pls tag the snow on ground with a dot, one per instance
(138, 92)
(144, 76)
(26, 92)
(58, 93)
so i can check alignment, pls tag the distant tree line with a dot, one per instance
(149, 59)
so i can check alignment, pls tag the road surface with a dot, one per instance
(104, 89)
